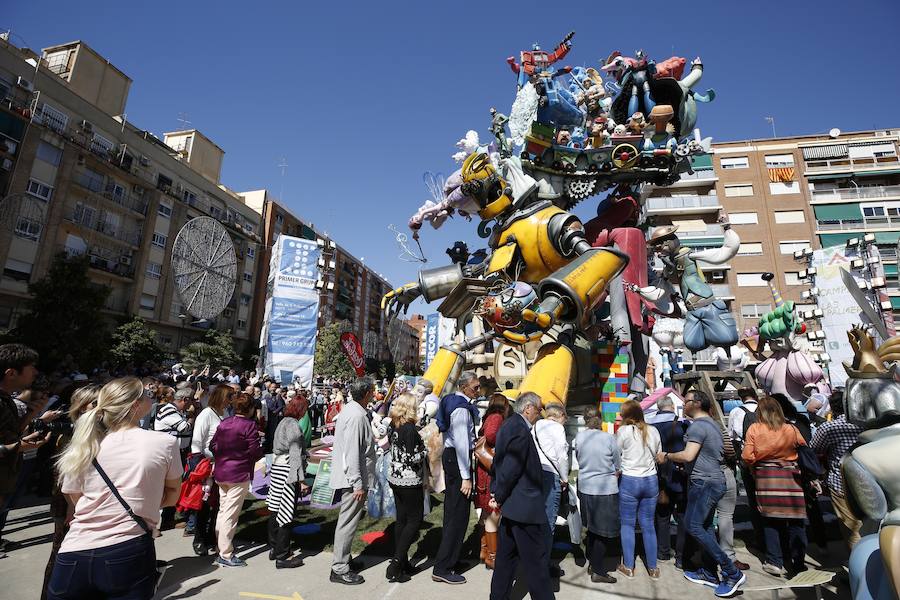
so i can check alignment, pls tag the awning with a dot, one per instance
(704, 241)
(840, 239)
(825, 152)
(702, 161)
(828, 212)
(895, 302)
(890, 269)
(887, 237)
(847, 172)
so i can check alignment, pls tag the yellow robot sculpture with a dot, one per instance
(541, 277)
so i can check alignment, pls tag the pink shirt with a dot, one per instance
(138, 462)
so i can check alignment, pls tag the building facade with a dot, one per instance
(77, 177)
(781, 196)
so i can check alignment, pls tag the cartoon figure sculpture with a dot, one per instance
(498, 128)
(536, 61)
(788, 370)
(707, 320)
(541, 275)
(871, 477)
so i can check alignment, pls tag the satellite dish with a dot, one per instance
(205, 267)
(834, 132)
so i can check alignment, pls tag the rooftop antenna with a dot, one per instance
(772, 121)
(283, 165)
(183, 119)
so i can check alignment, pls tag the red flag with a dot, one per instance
(353, 349)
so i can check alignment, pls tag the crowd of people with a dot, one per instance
(127, 454)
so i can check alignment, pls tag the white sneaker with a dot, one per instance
(773, 570)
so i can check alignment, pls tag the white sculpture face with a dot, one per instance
(419, 392)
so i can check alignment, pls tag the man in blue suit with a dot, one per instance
(517, 489)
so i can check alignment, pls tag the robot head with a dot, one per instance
(535, 46)
(458, 253)
(483, 184)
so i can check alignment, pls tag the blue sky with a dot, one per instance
(362, 98)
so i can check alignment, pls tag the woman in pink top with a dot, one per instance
(770, 449)
(108, 553)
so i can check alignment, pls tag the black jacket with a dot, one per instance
(517, 473)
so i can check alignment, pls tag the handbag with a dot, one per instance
(567, 501)
(161, 565)
(484, 454)
(809, 463)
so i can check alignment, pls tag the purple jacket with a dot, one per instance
(235, 448)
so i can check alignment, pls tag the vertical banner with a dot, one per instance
(354, 352)
(431, 338)
(292, 311)
(840, 310)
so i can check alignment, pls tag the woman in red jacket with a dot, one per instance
(497, 411)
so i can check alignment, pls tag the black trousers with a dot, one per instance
(280, 538)
(410, 502)
(205, 526)
(528, 542)
(595, 550)
(664, 513)
(456, 515)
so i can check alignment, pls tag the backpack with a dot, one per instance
(150, 419)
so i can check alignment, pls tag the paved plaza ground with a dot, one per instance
(29, 529)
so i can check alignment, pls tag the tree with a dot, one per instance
(216, 349)
(64, 316)
(134, 342)
(330, 359)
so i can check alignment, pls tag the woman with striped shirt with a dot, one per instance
(286, 485)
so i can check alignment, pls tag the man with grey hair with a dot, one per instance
(517, 489)
(550, 437)
(456, 419)
(352, 473)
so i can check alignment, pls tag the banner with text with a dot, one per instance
(292, 311)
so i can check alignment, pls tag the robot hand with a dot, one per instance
(400, 297)
(545, 314)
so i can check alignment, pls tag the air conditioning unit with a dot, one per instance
(87, 126)
(145, 161)
(6, 165)
(179, 189)
(125, 260)
(137, 190)
(25, 84)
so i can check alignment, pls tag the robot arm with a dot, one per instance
(432, 285)
(564, 46)
(513, 64)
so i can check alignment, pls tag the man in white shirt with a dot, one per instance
(737, 414)
(233, 377)
(550, 438)
(736, 430)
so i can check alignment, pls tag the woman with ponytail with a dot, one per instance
(108, 552)
(638, 488)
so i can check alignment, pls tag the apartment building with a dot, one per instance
(783, 195)
(77, 177)
(350, 291)
(419, 323)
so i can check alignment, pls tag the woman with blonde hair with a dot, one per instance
(770, 449)
(118, 476)
(639, 444)
(407, 479)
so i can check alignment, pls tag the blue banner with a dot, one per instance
(292, 311)
(431, 337)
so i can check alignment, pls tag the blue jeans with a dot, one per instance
(552, 491)
(637, 502)
(775, 530)
(702, 498)
(124, 571)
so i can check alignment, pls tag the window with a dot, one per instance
(58, 62)
(735, 162)
(873, 211)
(775, 161)
(28, 228)
(279, 218)
(743, 218)
(245, 299)
(248, 276)
(792, 278)
(242, 323)
(754, 311)
(148, 301)
(189, 197)
(163, 183)
(248, 227)
(49, 154)
(40, 190)
(159, 240)
(750, 249)
(164, 210)
(92, 180)
(792, 246)
(733, 191)
(101, 145)
(215, 212)
(85, 215)
(789, 216)
(251, 251)
(17, 270)
(750, 280)
(53, 118)
(154, 270)
(784, 187)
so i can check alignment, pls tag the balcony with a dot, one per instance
(712, 230)
(698, 177)
(89, 220)
(682, 205)
(865, 223)
(722, 290)
(104, 259)
(875, 192)
(849, 165)
(126, 200)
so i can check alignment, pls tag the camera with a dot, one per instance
(62, 426)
